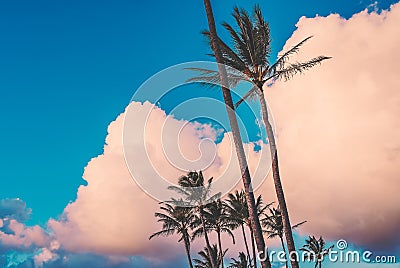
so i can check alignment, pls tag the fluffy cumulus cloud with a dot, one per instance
(14, 209)
(112, 214)
(14, 234)
(339, 126)
(20, 243)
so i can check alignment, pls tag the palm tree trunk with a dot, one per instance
(203, 224)
(245, 243)
(220, 248)
(251, 204)
(187, 248)
(284, 249)
(277, 181)
(253, 247)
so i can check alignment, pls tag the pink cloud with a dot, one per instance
(112, 215)
(338, 142)
(339, 128)
(22, 236)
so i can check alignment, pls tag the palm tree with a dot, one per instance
(196, 195)
(316, 250)
(237, 209)
(260, 210)
(235, 133)
(219, 221)
(240, 263)
(177, 220)
(206, 261)
(274, 226)
(238, 213)
(250, 57)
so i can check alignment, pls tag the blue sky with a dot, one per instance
(68, 68)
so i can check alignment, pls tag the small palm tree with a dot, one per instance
(316, 250)
(179, 220)
(238, 213)
(206, 261)
(196, 194)
(219, 221)
(250, 60)
(240, 263)
(274, 226)
(237, 209)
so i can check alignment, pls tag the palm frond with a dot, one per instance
(281, 61)
(166, 232)
(249, 94)
(239, 44)
(211, 78)
(263, 38)
(298, 224)
(298, 68)
(230, 57)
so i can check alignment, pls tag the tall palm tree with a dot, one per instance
(179, 220)
(236, 133)
(206, 261)
(240, 263)
(274, 226)
(217, 220)
(250, 56)
(316, 250)
(196, 194)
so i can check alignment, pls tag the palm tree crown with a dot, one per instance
(174, 220)
(206, 261)
(249, 58)
(316, 250)
(179, 220)
(240, 263)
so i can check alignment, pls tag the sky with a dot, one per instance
(70, 68)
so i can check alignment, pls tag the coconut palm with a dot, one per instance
(206, 261)
(274, 226)
(215, 44)
(176, 220)
(238, 212)
(240, 263)
(217, 220)
(196, 194)
(260, 210)
(250, 60)
(316, 250)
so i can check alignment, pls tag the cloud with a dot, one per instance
(19, 235)
(14, 234)
(14, 209)
(112, 215)
(338, 143)
(338, 129)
